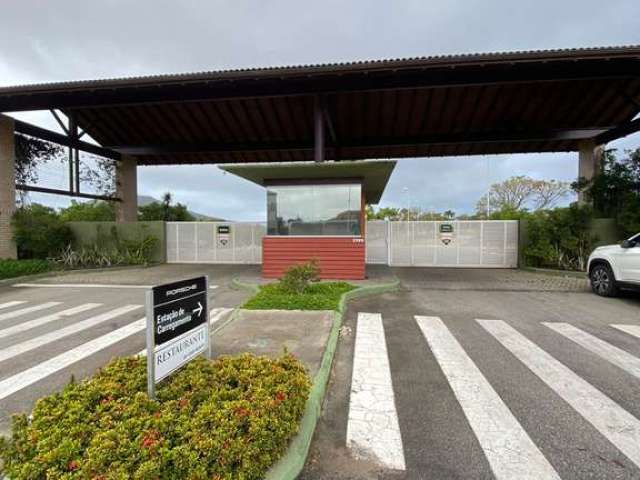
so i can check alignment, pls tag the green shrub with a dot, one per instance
(317, 296)
(17, 268)
(39, 232)
(560, 238)
(298, 277)
(124, 252)
(231, 418)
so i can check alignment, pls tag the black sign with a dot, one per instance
(224, 229)
(171, 292)
(178, 307)
(446, 228)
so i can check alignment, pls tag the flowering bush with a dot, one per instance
(231, 418)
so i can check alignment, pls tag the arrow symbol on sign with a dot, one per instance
(199, 309)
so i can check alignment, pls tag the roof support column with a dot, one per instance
(318, 131)
(127, 189)
(589, 163)
(7, 187)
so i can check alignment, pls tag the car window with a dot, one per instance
(636, 238)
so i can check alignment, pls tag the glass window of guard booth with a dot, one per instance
(325, 209)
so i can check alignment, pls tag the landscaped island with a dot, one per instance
(231, 418)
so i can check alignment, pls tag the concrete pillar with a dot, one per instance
(590, 162)
(7, 187)
(127, 189)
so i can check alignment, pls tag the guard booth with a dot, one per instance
(317, 211)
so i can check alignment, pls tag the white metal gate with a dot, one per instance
(473, 243)
(214, 242)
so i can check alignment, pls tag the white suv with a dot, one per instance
(615, 267)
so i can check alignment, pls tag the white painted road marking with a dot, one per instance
(24, 311)
(372, 428)
(86, 285)
(36, 342)
(615, 355)
(24, 326)
(509, 449)
(11, 304)
(215, 315)
(610, 419)
(21, 380)
(630, 329)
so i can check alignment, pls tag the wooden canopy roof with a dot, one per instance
(431, 106)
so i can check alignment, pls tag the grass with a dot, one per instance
(317, 296)
(17, 268)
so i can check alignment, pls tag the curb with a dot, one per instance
(241, 285)
(556, 273)
(62, 273)
(292, 463)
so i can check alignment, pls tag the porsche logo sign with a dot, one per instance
(446, 233)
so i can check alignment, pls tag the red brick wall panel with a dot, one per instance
(340, 257)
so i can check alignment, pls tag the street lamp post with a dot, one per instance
(406, 190)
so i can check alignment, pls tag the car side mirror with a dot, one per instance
(628, 244)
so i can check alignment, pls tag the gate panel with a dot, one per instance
(400, 240)
(205, 242)
(469, 244)
(493, 244)
(424, 244)
(376, 245)
(465, 243)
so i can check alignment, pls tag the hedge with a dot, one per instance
(231, 418)
(17, 268)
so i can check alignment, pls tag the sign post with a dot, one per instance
(177, 327)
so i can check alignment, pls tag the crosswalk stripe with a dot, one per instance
(615, 355)
(509, 449)
(36, 342)
(372, 427)
(215, 315)
(11, 304)
(88, 285)
(620, 427)
(630, 329)
(21, 380)
(24, 311)
(24, 326)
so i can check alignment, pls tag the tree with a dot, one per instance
(94, 211)
(382, 213)
(615, 191)
(547, 193)
(165, 211)
(519, 192)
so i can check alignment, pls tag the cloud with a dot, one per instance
(70, 40)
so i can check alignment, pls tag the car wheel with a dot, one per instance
(603, 282)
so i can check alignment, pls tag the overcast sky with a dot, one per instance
(59, 40)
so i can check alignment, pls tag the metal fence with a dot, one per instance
(214, 242)
(491, 243)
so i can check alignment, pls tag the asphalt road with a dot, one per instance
(526, 402)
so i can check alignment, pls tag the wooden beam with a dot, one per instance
(55, 191)
(618, 132)
(55, 137)
(441, 139)
(318, 130)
